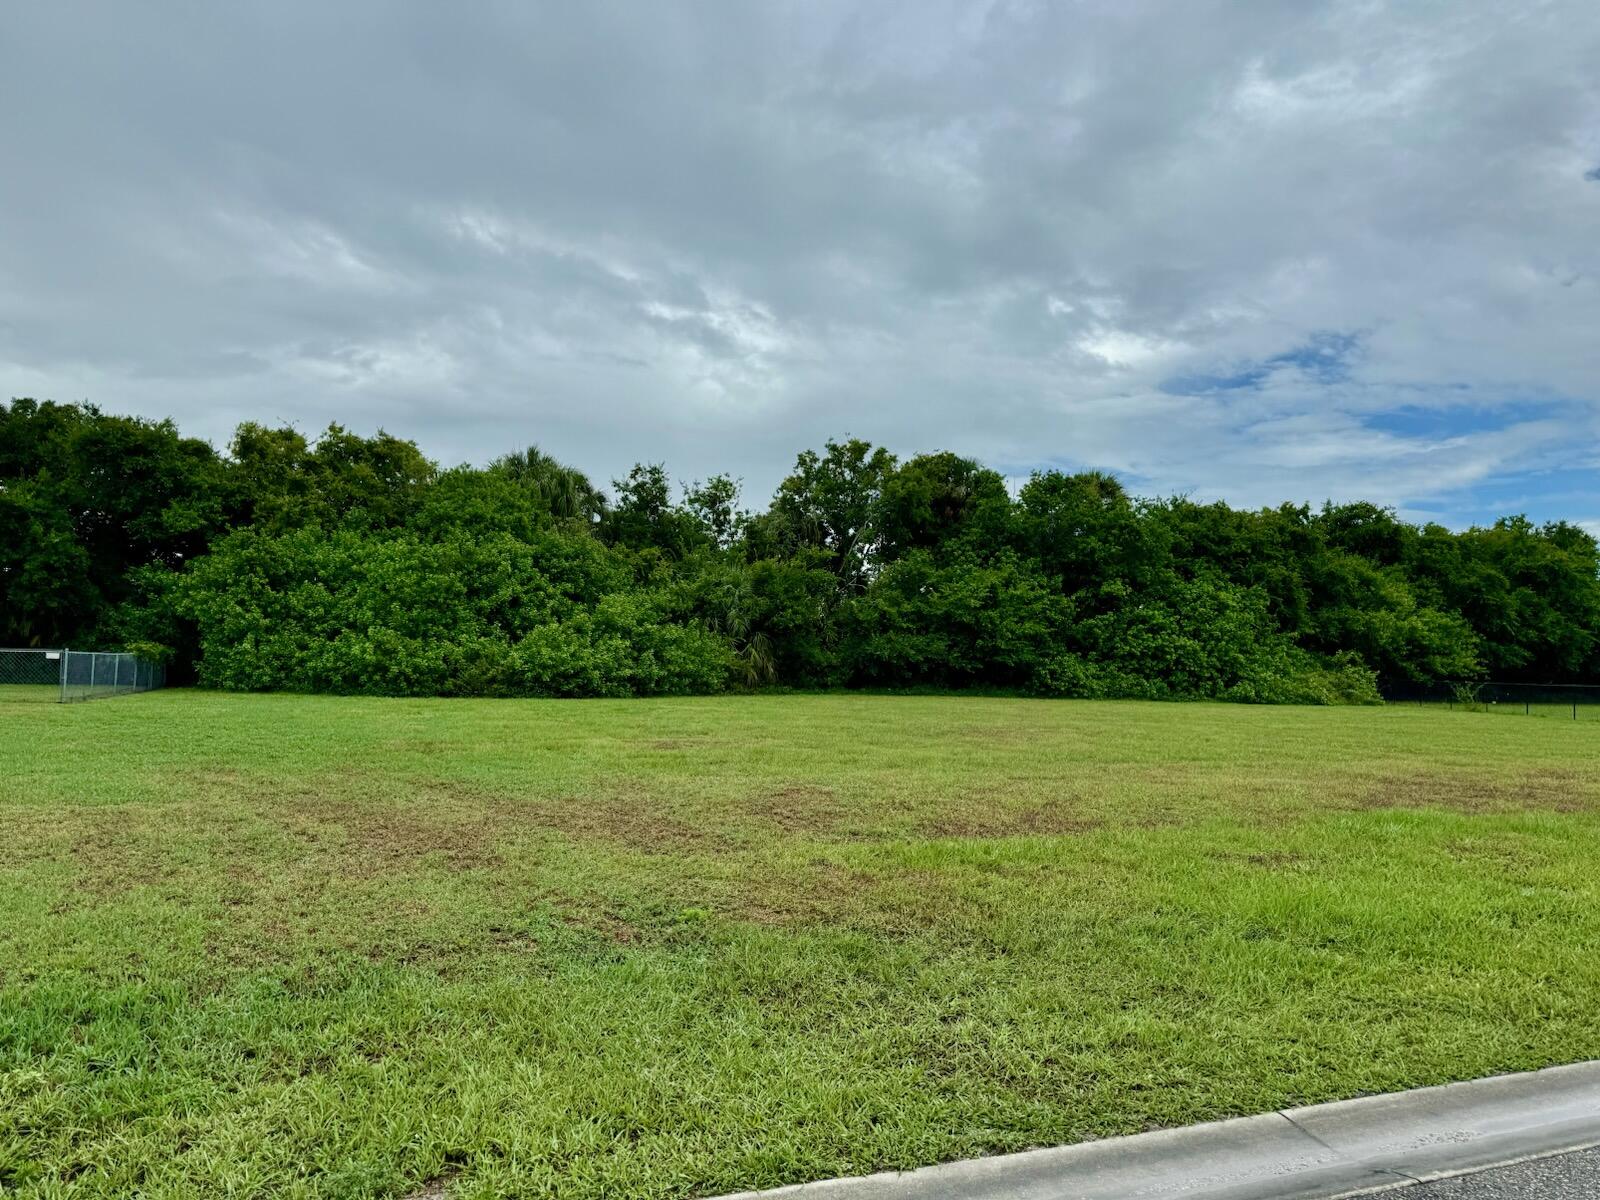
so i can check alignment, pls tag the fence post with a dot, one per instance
(66, 658)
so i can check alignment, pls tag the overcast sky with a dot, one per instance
(1259, 251)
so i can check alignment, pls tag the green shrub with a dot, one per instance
(391, 614)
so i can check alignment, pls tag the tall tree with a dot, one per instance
(829, 504)
(565, 492)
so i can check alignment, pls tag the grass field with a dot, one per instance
(30, 693)
(1585, 709)
(297, 946)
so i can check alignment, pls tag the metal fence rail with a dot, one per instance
(60, 676)
(1564, 701)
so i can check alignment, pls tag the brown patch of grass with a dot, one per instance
(29, 835)
(362, 838)
(636, 825)
(1546, 789)
(821, 892)
(468, 825)
(116, 850)
(797, 808)
(900, 903)
(607, 924)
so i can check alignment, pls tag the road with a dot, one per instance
(1564, 1177)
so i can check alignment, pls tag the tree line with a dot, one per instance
(354, 564)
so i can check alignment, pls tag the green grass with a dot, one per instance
(1585, 710)
(29, 693)
(300, 946)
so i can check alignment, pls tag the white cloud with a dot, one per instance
(715, 235)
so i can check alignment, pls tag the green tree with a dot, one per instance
(827, 510)
(343, 480)
(644, 517)
(564, 492)
(86, 499)
(937, 498)
(714, 504)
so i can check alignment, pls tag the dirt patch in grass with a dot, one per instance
(639, 824)
(434, 1189)
(797, 808)
(820, 893)
(365, 839)
(1545, 789)
(115, 853)
(468, 827)
(607, 924)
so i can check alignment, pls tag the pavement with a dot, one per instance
(1563, 1177)
(1415, 1140)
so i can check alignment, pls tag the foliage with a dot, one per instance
(341, 480)
(87, 499)
(962, 622)
(827, 511)
(395, 615)
(644, 517)
(354, 564)
(562, 491)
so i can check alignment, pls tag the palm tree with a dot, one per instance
(565, 491)
(732, 614)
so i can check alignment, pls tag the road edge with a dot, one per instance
(1346, 1148)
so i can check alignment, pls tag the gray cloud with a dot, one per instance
(717, 233)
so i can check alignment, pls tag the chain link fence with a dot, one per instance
(58, 676)
(1562, 701)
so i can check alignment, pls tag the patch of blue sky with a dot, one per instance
(1557, 494)
(1440, 422)
(1324, 357)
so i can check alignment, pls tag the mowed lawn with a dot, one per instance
(303, 946)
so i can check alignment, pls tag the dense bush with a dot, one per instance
(353, 564)
(393, 614)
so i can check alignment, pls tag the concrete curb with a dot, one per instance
(1350, 1148)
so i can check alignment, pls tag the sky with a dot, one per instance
(1253, 251)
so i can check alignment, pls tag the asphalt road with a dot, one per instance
(1564, 1177)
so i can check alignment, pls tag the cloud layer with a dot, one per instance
(1246, 250)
